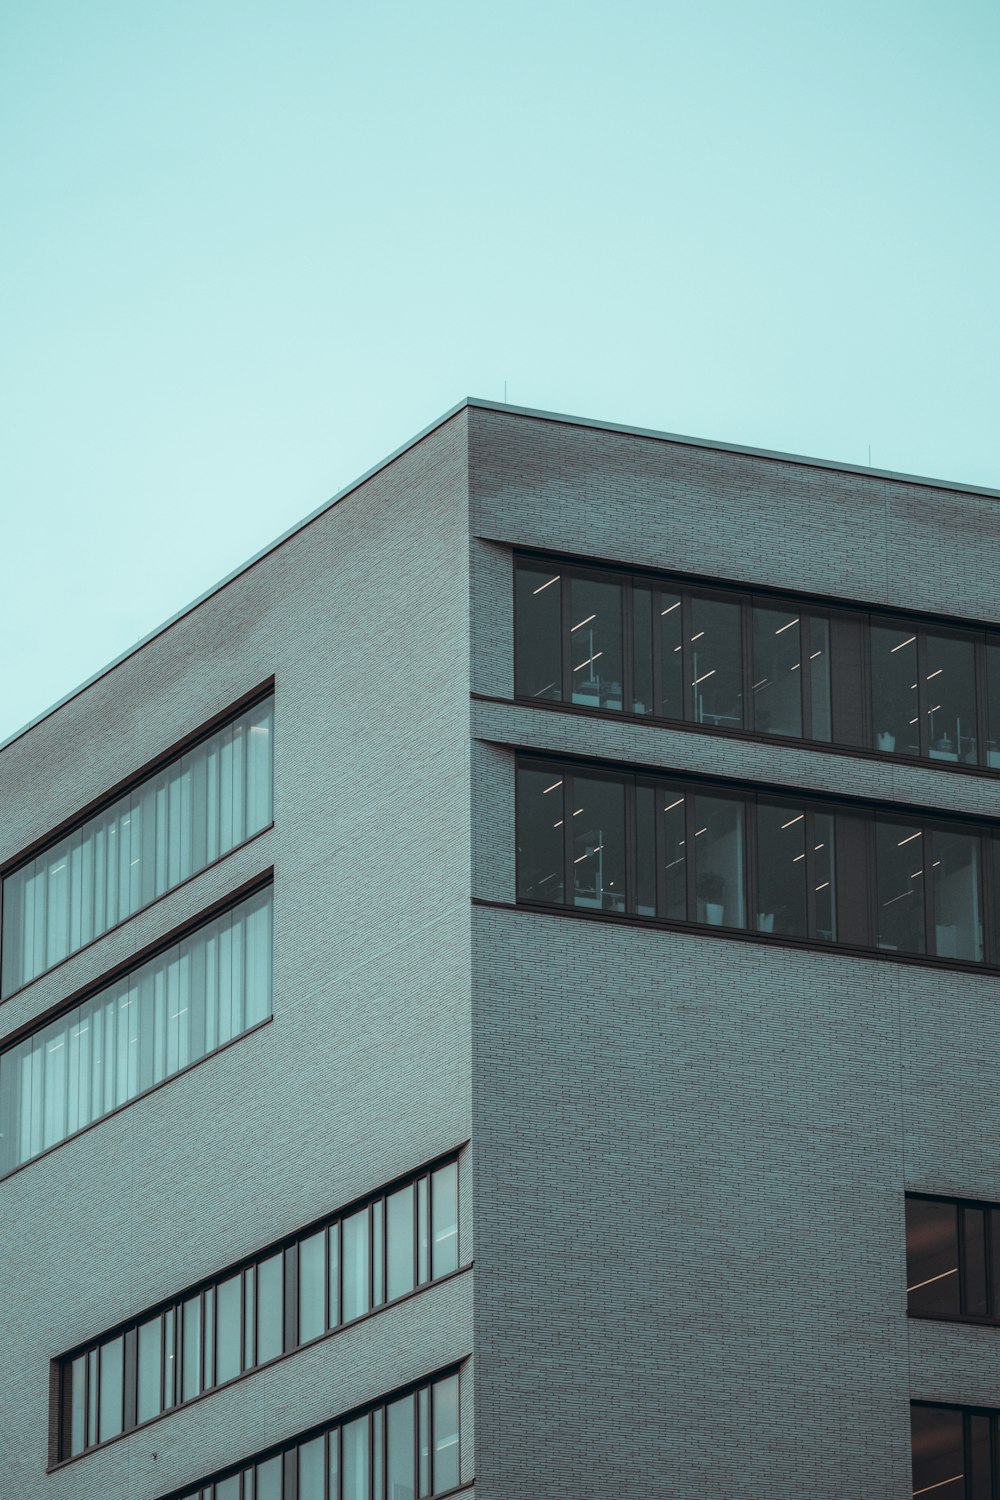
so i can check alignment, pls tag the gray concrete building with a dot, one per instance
(500, 997)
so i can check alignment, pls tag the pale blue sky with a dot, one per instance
(248, 248)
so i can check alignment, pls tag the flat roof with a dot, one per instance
(518, 411)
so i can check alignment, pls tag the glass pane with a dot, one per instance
(402, 1242)
(423, 1441)
(355, 1460)
(540, 801)
(423, 1231)
(671, 674)
(357, 1299)
(777, 671)
(645, 851)
(312, 1287)
(781, 870)
(958, 929)
(229, 1325)
(333, 1268)
(980, 1485)
(595, 642)
(642, 649)
(598, 844)
(894, 690)
(312, 1482)
(938, 1456)
(974, 1299)
(445, 1399)
(951, 698)
(718, 849)
(932, 1281)
(899, 866)
(112, 1388)
(249, 1309)
(269, 1479)
(270, 1311)
(824, 865)
(716, 668)
(993, 704)
(402, 1455)
(537, 631)
(191, 1335)
(228, 1489)
(674, 846)
(150, 1369)
(444, 1220)
(378, 1252)
(819, 677)
(78, 1440)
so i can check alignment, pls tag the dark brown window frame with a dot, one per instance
(287, 1246)
(847, 616)
(855, 836)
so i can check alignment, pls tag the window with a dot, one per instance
(952, 1259)
(401, 1449)
(646, 846)
(187, 1002)
(954, 1450)
(731, 660)
(171, 825)
(286, 1296)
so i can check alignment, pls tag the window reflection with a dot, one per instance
(818, 662)
(670, 627)
(958, 931)
(895, 716)
(899, 864)
(993, 705)
(673, 843)
(781, 870)
(716, 671)
(951, 698)
(718, 854)
(777, 671)
(938, 1452)
(538, 631)
(540, 806)
(595, 643)
(824, 866)
(598, 851)
(932, 1284)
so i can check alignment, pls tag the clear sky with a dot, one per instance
(248, 248)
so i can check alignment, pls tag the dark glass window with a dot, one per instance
(398, 1450)
(595, 642)
(949, 672)
(952, 1259)
(899, 864)
(938, 1443)
(240, 1319)
(781, 885)
(777, 671)
(993, 705)
(538, 631)
(895, 712)
(598, 843)
(716, 662)
(719, 860)
(541, 836)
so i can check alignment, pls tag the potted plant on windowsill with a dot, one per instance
(885, 740)
(711, 896)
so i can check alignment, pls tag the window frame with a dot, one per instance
(991, 1253)
(846, 677)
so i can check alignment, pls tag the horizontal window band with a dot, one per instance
(742, 736)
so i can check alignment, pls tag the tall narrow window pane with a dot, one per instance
(777, 671)
(270, 1313)
(112, 1388)
(644, 902)
(951, 698)
(670, 678)
(268, 1479)
(900, 875)
(355, 1460)
(598, 825)
(932, 1271)
(312, 1287)
(673, 843)
(402, 1449)
(333, 1274)
(445, 1400)
(401, 1242)
(312, 1483)
(191, 1351)
(378, 1252)
(895, 719)
(642, 650)
(819, 678)
(938, 1452)
(975, 1301)
(781, 870)
(423, 1441)
(824, 872)
(718, 852)
(78, 1430)
(356, 1270)
(150, 1369)
(540, 803)
(958, 929)
(538, 631)
(716, 665)
(444, 1219)
(595, 642)
(980, 1467)
(993, 704)
(229, 1324)
(423, 1231)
